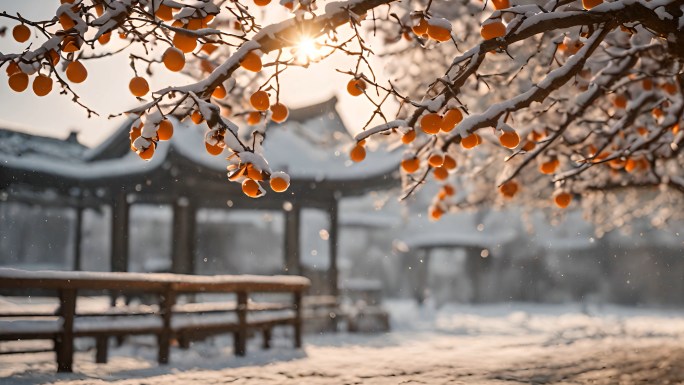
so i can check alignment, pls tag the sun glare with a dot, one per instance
(307, 50)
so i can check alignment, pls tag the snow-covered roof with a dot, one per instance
(130, 164)
(573, 233)
(306, 146)
(369, 219)
(454, 238)
(643, 234)
(15, 142)
(312, 144)
(456, 230)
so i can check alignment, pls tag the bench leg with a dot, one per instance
(183, 342)
(298, 334)
(240, 337)
(164, 342)
(240, 342)
(333, 323)
(64, 345)
(65, 354)
(266, 338)
(351, 325)
(57, 343)
(297, 325)
(168, 299)
(101, 347)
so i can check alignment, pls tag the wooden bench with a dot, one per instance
(167, 320)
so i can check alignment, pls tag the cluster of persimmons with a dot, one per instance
(174, 59)
(434, 123)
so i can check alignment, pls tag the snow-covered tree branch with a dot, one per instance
(477, 94)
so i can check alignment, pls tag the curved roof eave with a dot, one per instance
(40, 170)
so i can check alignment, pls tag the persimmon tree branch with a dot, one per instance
(474, 95)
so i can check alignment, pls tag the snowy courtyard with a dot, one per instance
(455, 344)
(347, 192)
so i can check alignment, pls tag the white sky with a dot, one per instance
(106, 89)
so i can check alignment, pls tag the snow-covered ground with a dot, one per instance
(456, 344)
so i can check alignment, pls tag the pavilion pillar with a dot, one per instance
(120, 232)
(183, 237)
(422, 267)
(78, 236)
(476, 266)
(332, 244)
(291, 247)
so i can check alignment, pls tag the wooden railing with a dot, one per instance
(167, 287)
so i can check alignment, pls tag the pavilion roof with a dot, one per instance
(15, 142)
(311, 146)
(457, 231)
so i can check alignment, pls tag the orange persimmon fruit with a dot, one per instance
(501, 4)
(431, 123)
(279, 184)
(451, 119)
(42, 85)
(470, 141)
(562, 199)
(250, 188)
(219, 92)
(435, 160)
(410, 165)
(18, 81)
(164, 12)
(438, 33)
(213, 149)
(253, 118)
(449, 162)
(138, 86)
(251, 62)
(279, 113)
(493, 30)
(421, 28)
(184, 42)
(173, 59)
(165, 130)
(147, 153)
(589, 4)
(355, 87)
(509, 139)
(358, 153)
(76, 72)
(408, 137)
(440, 173)
(21, 33)
(509, 189)
(549, 167)
(259, 100)
(196, 117)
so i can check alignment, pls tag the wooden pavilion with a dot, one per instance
(310, 147)
(423, 240)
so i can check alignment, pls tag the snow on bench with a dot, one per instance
(9, 278)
